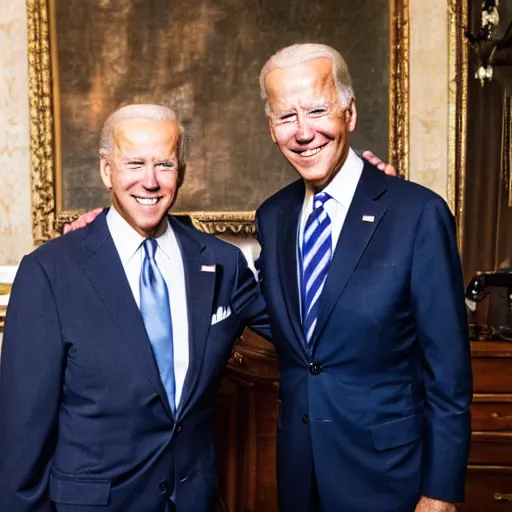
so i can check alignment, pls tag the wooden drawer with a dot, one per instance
(491, 448)
(491, 412)
(488, 489)
(253, 359)
(492, 375)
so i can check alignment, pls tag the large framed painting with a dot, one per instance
(507, 143)
(202, 58)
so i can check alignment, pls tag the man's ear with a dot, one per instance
(106, 172)
(271, 128)
(351, 116)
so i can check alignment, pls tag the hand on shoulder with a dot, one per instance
(383, 166)
(82, 221)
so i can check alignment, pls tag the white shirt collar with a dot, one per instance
(128, 241)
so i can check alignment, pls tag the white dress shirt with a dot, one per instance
(170, 263)
(341, 191)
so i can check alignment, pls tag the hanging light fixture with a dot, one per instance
(490, 51)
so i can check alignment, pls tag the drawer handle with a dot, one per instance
(238, 358)
(498, 496)
(497, 415)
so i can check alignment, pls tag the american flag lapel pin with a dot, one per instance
(207, 268)
(368, 218)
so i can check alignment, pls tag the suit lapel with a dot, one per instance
(200, 286)
(105, 270)
(354, 237)
(287, 255)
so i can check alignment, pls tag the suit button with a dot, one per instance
(315, 369)
(179, 428)
(305, 419)
(163, 486)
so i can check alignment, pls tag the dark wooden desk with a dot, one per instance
(245, 428)
(489, 476)
(246, 418)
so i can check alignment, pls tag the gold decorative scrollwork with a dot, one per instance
(399, 86)
(65, 218)
(47, 219)
(213, 223)
(218, 223)
(2, 319)
(41, 122)
(457, 112)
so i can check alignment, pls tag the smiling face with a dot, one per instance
(142, 171)
(306, 120)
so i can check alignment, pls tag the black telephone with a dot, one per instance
(497, 285)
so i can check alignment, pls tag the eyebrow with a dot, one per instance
(316, 103)
(322, 102)
(282, 112)
(128, 160)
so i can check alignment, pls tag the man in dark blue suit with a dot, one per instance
(115, 343)
(363, 283)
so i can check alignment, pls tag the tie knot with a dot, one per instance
(320, 199)
(150, 246)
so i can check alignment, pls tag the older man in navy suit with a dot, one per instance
(115, 343)
(363, 283)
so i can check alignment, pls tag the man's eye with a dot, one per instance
(318, 111)
(167, 165)
(287, 118)
(134, 164)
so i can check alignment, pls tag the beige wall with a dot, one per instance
(15, 221)
(429, 77)
(429, 96)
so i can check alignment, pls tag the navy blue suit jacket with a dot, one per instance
(85, 423)
(379, 406)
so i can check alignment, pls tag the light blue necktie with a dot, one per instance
(316, 259)
(156, 313)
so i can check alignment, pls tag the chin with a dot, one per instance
(148, 231)
(151, 224)
(315, 179)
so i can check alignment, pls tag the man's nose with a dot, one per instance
(150, 180)
(305, 132)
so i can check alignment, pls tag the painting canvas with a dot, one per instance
(202, 58)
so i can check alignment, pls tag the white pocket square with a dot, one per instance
(222, 314)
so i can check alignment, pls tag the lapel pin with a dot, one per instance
(207, 268)
(368, 218)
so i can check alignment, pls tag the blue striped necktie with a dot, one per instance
(156, 313)
(316, 259)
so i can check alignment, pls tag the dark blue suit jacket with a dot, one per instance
(380, 405)
(85, 423)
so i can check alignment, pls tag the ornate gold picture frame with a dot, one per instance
(458, 113)
(49, 200)
(507, 144)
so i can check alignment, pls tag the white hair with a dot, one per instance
(297, 54)
(147, 112)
